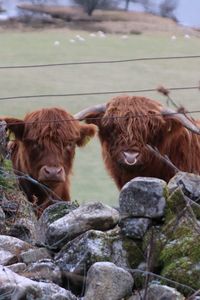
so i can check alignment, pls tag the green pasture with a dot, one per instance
(90, 181)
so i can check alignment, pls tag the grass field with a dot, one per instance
(90, 181)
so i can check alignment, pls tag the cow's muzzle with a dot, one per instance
(130, 158)
(51, 174)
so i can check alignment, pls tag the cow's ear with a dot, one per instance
(15, 126)
(87, 131)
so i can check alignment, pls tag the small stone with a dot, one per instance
(135, 228)
(10, 249)
(17, 268)
(33, 255)
(45, 271)
(158, 292)
(189, 184)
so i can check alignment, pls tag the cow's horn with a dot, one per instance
(93, 109)
(186, 122)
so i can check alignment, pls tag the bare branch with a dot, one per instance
(165, 159)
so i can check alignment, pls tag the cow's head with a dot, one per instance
(128, 124)
(46, 141)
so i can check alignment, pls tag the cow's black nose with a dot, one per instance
(52, 170)
(48, 173)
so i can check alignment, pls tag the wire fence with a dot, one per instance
(195, 87)
(101, 62)
(114, 117)
(19, 175)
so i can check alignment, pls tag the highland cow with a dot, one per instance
(44, 148)
(129, 124)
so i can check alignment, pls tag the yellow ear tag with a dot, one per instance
(86, 140)
(10, 135)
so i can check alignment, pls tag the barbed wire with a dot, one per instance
(196, 87)
(100, 62)
(27, 177)
(106, 118)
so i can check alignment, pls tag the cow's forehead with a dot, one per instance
(53, 124)
(48, 114)
(133, 111)
(133, 103)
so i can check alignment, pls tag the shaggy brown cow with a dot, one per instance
(44, 148)
(127, 124)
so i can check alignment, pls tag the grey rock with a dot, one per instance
(14, 287)
(9, 207)
(33, 255)
(189, 184)
(107, 281)
(2, 216)
(95, 246)
(2, 221)
(7, 258)
(17, 268)
(135, 228)
(51, 214)
(45, 271)
(24, 229)
(3, 139)
(119, 254)
(78, 255)
(10, 249)
(89, 216)
(143, 197)
(158, 292)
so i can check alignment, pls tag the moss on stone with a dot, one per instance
(155, 239)
(134, 252)
(187, 246)
(183, 272)
(181, 255)
(7, 177)
(165, 192)
(175, 204)
(59, 210)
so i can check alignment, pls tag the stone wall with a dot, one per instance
(147, 247)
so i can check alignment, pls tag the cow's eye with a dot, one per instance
(70, 145)
(36, 148)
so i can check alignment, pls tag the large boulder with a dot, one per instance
(51, 214)
(107, 281)
(143, 197)
(95, 246)
(89, 216)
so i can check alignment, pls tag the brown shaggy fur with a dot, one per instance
(144, 125)
(47, 138)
